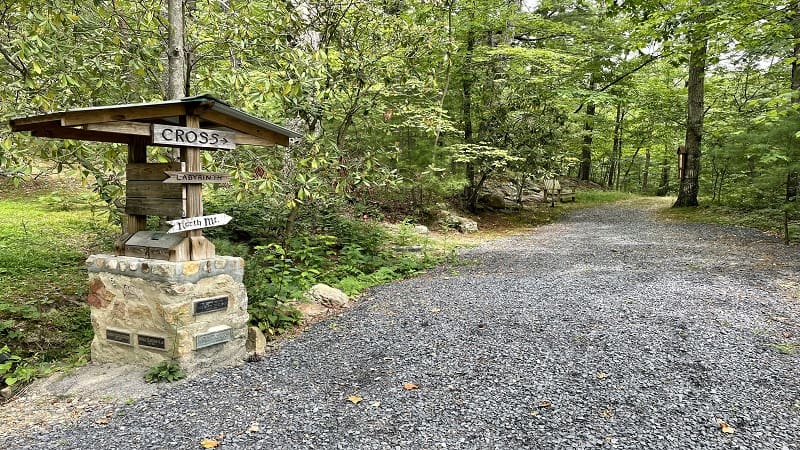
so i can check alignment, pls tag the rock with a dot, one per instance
(421, 229)
(6, 392)
(493, 200)
(462, 224)
(327, 296)
(256, 341)
(309, 309)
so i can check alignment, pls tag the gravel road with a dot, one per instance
(607, 329)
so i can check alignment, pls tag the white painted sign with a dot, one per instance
(193, 137)
(196, 223)
(196, 177)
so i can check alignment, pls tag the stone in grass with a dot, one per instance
(327, 296)
(256, 341)
(421, 229)
(462, 224)
(309, 309)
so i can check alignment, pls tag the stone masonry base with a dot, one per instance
(146, 311)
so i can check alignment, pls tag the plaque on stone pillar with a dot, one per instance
(208, 305)
(156, 342)
(217, 336)
(119, 337)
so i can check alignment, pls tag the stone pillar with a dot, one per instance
(145, 311)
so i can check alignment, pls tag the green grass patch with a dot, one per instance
(590, 197)
(44, 318)
(770, 220)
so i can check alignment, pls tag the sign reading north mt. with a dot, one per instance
(196, 223)
(196, 177)
(174, 136)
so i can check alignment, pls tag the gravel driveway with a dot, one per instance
(607, 329)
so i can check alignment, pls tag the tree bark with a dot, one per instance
(176, 52)
(616, 149)
(646, 172)
(585, 169)
(470, 195)
(690, 183)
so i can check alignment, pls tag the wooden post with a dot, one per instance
(201, 248)
(133, 223)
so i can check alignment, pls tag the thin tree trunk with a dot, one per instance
(690, 183)
(585, 169)
(176, 53)
(470, 195)
(616, 150)
(646, 172)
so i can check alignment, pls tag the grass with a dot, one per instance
(769, 220)
(45, 319)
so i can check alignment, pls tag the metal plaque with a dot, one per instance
(207, 305)
(118, 336)
(151, 341)
(213, 338)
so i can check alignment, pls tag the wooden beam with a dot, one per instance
(261, 133)
(144, 128)
(154, 111)
(31, 123)
(154, 189)
(121, 127)
(154, 207)
(79, 134)
(150, 172)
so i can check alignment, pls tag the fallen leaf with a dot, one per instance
(725, 427)
(436, 310)
(253, 428)
(102, 421)
(355, 399)
(410, 386)
(209, 443)
(545, 404)
(375, 404)
(601, 375)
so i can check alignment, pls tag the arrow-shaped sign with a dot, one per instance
(175, 136)
(196, 223)
(196, 177)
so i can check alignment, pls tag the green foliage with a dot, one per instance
(165, 372)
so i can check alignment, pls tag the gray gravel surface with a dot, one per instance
(607, 329)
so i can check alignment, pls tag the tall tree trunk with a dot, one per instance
(663, 186)
(792, 174)
(469, 190)
(646, 172)
(690, 183)
(616, 148)
(585, 169)
(176, 53)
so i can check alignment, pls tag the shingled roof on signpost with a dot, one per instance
(123, 123)
(172, 190)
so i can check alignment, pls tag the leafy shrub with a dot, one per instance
(165, 371)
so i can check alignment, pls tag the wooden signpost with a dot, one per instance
(198, 223)
(174, 136)
(197, 177)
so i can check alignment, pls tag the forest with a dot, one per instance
(405, 104)
(405, 100)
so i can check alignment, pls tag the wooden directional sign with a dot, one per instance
(197, 177)
(196, 223)
(174, 136)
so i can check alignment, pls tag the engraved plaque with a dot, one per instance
(151, 341)
(210, 305)
(213, 338)
(118, 336)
